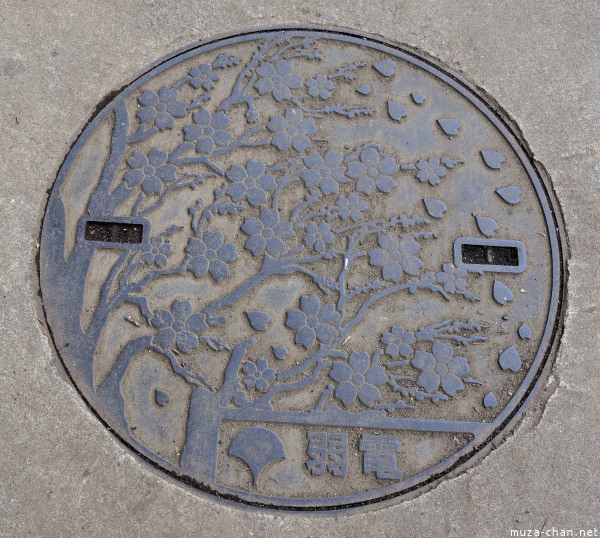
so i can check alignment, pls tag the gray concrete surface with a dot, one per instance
(62, 473)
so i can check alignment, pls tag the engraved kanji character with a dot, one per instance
(328, 451)
(380, 455)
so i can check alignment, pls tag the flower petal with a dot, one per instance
(261, 364)
(366, 185)
(134, 177)
(442, 351)
(281, 92)
(387, 166)
(166, 94)
(458, 366)
(392, 271)
(388, 241)
(148, 98)
(222, 138)
(340, 372)
(295, 319)
(333, 158)
(266, 182)
(151, 185)
(137, 160)
(283, 68)
(256, 196)
(265, 70)
(368, 394)
(314, 161)
(369, 157)
(277, 124)
(293, 81)
(146, 114)
(284, 230)
(356, 169)
(255, 168)
(310, 305)
(218, 269)
(264, 85)
(429, 380)
(378, 257)
(300, 142)
(325, 333)
(276, 246)
(236, 173)
(181, 309)
(164, 120)
(423, 360)
(269, 374)
(186, 341)
(162, 318)
(192, 132)
(281, 141)
(346, 392)
(197, 323)
(166, 172)
(307, 127)
(451, 384)
(252, 226)
(269, 217)
(411, 265)
(329, 186)
(165, 338)
(249, 368)
(305, 337)
(408, 246)
(311, 178)
(227, 253)
(256, 244)
(328, 314)
(177, 109)
(293, 116)
(198, 266)
(359, 362)
(213, 239)
(237, 191)
(385, 183)
(202, 117)
(376, 375)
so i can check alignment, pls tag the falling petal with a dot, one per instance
(365, 89)
(493, 159)
(397, 111)
(489, 400)
(525, 331)
(387, 68)
(259, 320)
(418, 98)
(511, 194)
(279, 352)
(435, 208)
(502, 293)
(449, 126)
(510, 359)
(486, 225)
(161, 397)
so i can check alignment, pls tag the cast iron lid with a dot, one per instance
(302, 269)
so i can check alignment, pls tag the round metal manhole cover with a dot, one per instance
(301, 269)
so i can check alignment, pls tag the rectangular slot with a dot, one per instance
(490, 255)
(477, 255)
(114, 232)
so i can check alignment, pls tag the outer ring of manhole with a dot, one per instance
(57, 297)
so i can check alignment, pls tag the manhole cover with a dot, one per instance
(301, 269)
